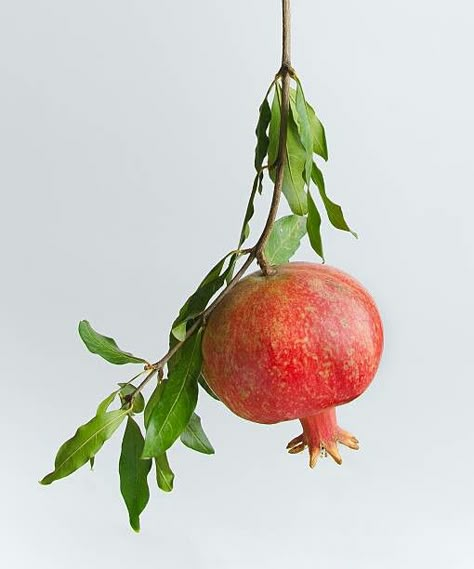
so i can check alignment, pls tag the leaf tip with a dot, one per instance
(46, 480)
(179, 331)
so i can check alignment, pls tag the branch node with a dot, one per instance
(267, 269)
(286, 69)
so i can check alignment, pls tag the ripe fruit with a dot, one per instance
(294, 345)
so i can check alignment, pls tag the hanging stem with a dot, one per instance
(257, 251)
(285, 73)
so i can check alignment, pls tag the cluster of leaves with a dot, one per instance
(305, 144)
(169, 414)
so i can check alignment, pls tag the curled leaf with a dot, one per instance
(314, 227)
(333, 210)
(128, 389)
(203, 383)
(194, 436)
(164, 474)
(105, 347)
(245, 232)
(318, 134)
(261, 149)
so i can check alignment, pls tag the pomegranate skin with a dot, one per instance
(291, 345)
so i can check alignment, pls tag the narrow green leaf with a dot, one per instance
(152, 401)
(261, 149)
(194, 436)
(106, 403)
(105, 347)
(198, 301)
(301, 117)
(274, 130)
(133, 472)
(85, 444)
(245, 232)
(314, 227)
(164, 474)
(333, 210)
(128, 389)
(231, 267)
(203, 383)
(284, 239)
(319, 136)
(293, 179)
(176, 404)
(101, 409)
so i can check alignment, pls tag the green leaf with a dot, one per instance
(106, 403)
(105, 347)
(314, 227)
(128, 389)
(261, 149)
(333, 210)
(319, 136)
(164, 474)
(245, 232)
(203, 383)
(293, 179)
(301, 117)
(284, 239)
(230, 269)
(195, 438)
(176, 404)
(274, 131)
(152, 401)
(198, 301)
(85, 444)
(133, 472)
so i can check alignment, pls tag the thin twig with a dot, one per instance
(285, 73)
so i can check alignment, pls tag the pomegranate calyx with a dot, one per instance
(321, 435)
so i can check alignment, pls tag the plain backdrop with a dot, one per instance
(126, 150)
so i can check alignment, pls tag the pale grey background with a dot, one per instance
(126, 147)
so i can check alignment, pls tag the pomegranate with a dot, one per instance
(294, 345)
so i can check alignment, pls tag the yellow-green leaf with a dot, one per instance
(164, 474)
(285, 239)
(85, 444)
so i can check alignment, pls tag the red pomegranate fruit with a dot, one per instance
(294, 345)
